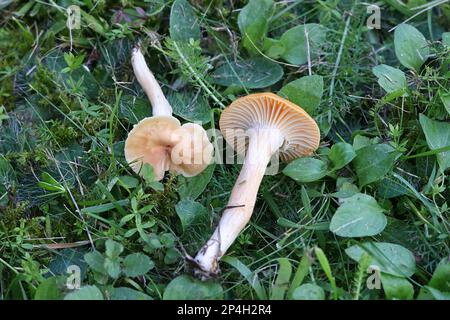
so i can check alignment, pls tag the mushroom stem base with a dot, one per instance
(263, 143)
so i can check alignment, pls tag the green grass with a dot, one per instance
(68, 197)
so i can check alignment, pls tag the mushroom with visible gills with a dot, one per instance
(272, 124)
(161, 140)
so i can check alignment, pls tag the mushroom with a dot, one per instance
(161, 140)
(271, 124)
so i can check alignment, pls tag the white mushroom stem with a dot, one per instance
(263, 143)
(146, 79)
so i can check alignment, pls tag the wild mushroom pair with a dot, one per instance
(161, 140)
(265, 122)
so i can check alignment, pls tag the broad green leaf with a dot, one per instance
(294, 42)
(282, 282)
(305, 92)
(359, 216)
(112, 267)
(251, 73)
(85, 293)
(193, 187)
(445, 97)
(441, 276)
(50, 289)
(373, 162)
(172, 255)
(187, 288)
(96, 261)
(389, 257)
(308, 291)
(389, 78)
(190, 106)
(253, 22)
(137, 264)
(360, 142)
(341, 154)
(439, 281)
(124, 293)
(306, 169)
(188, 211)
(113, 248)
(183, 22)
(273, 48)
(396, 288)
(438, 136)
(411, 47)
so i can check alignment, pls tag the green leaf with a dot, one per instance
(193, 187)
(273, 48)
(411, 47)
(445, 97)
(190, 106)
(128, 182)
(300, 274)
(85, 293)
(389, 78)
(172, 255)
(359, 216)
(360, 142)
(50, 289)
(189, 211)
(187, 288)
(148, 173)
(113, 248)
(341, 154)
(325, 264)
(305, 92)
(183, 22)
(397, 288)
(251, 73)
(96, 261)
(441, 276)
(438, 136)
(112, 267)
(137, 264)
(373, 162)
(251, 278)
(282, 282)
(296, 47)
(124, 293)
(306, 169)
(439, 281)
(308, 291)
(389, 257)
(253, 22)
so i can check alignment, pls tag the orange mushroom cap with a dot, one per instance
(267, 110)
(154, 140)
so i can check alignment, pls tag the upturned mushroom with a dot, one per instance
(271, 124)
(161, 140)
